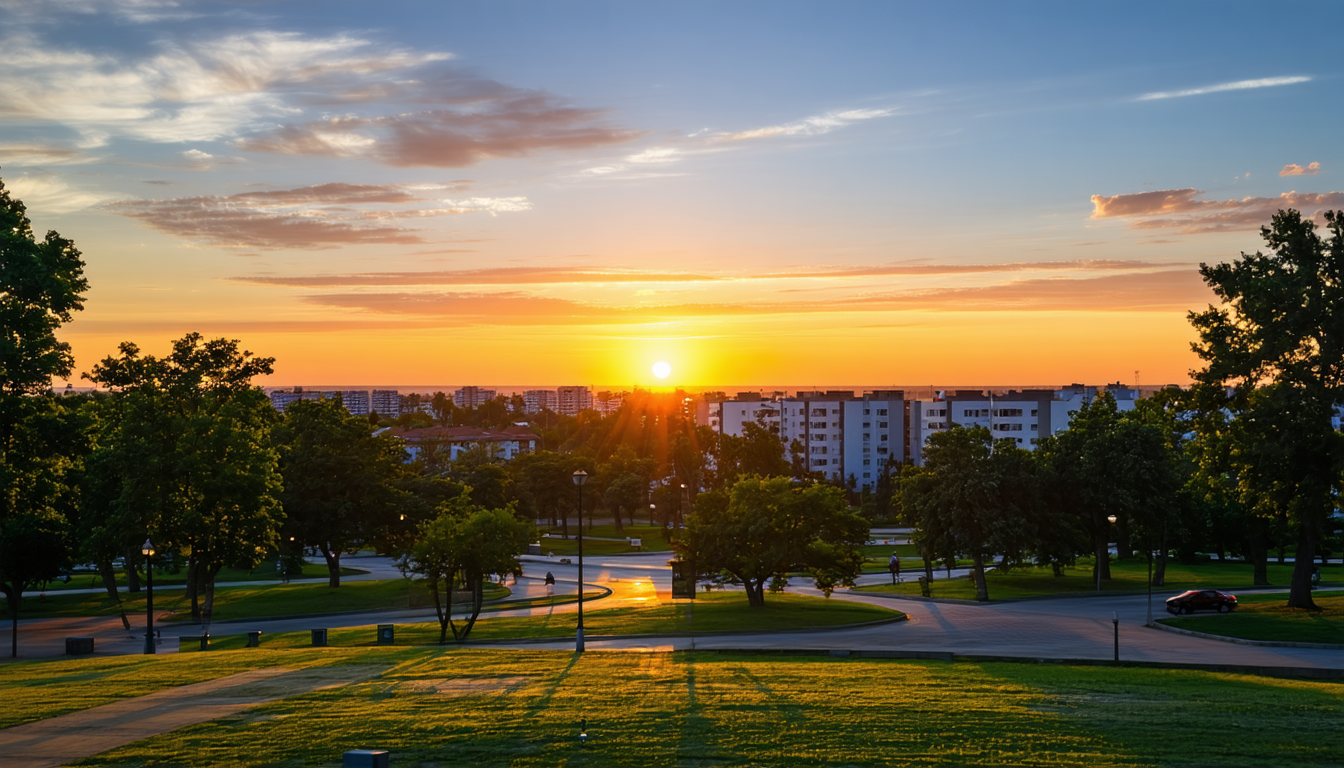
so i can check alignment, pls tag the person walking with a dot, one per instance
(894, 565)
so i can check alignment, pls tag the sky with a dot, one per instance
(793, 193)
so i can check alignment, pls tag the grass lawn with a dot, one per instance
(263, 572)
(491, 707)
(651, 540)
(1126, 576)
(1265, 617)
(251, 602)
(713, 612)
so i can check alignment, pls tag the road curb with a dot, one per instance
(715, 633)
(1244, 641)
(1318, 673)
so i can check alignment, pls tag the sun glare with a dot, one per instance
(662, 370)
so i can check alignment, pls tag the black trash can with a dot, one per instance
(253, 639)
(319, 637)
(385, 634)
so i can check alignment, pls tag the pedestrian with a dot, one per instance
(894, 565)
(550, 584)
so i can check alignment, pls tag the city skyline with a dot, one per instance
(798, 192)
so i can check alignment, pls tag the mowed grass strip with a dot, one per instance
(1265, 617)
(485, 707)
(251, 602)
(266, 571)
(716, 612)
(1126, 576)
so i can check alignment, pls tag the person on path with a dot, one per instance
(894, 565)
(550, 584)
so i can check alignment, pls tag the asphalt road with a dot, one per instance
(1063, 628)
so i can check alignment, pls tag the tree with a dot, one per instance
(466, 544)
(972, 496)
(756, 452)
(42, 285)
(192, 449)
(762, 529)
(340, 480)
(1277, 339)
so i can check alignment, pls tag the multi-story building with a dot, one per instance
(538, 400)
(572, 400)
(607, 403)
(356, 401)
(472, 397)
(843, 436)
(1024, 416)
(444, 444)
(385, 402)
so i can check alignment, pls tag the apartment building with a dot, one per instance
(356, 401)
(1024, 416)
(842, 435)
(572, 400)
(473, 397)
(385, 402)
(538, 400)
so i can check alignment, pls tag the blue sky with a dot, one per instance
(809, 193)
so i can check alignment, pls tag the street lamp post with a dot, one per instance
(148, 551)
(681, 518)
(579, 478)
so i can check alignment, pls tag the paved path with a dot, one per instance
(60, 740)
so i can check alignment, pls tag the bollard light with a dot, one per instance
(583, 732)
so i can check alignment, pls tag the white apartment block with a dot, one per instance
(572, 400)
(385, 402)
(1024, 416)
(472, 397)
(505, 444)
(538, 400)
(843, 436)
(356, 401)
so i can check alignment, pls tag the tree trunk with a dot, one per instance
(109, 575)
(1258, 551)
(1160, 569)
(1299, 593)
(755, 592)
(438, 608)
(194, 588)
(13, 628)
(564, 527)
(132, 576)
(619, 525)
(981, 589)
(208, 604)
(1103, 563)
(333, 558)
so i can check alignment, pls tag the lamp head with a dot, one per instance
(580, 477)
(147, 549)
(1110, 518)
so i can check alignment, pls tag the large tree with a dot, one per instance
(973, 496)
(762, 529)
(191, 447)
(463, 546)
(1277, 340)
(42, 285)
(340, 480)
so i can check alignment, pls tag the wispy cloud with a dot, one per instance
(317, 217)
(45, 193)
(1179, 209)
(1240, 85)
(808, 126)
(615, 276)
(1293, 169)
(27, 155)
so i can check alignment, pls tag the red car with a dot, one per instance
(1201, 600)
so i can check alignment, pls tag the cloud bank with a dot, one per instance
(1179, 209)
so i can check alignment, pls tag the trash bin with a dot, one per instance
(366, 758)
(385, 634)
(534, 549)
(253, 639)
(319, 637)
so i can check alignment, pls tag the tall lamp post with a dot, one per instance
(148, 551)
(681, 517)
(1106, 549)
(579, 478)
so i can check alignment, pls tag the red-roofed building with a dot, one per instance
(503, 443)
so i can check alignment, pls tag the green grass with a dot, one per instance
(252, 602)
(1265, 617)
(651, 540)
(1126, 576)
(263, 572)
(715, 612)
(699, 709)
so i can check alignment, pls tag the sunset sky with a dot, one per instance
(801, 194)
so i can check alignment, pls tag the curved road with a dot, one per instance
(1065, 628)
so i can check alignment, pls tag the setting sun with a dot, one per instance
(662, 370)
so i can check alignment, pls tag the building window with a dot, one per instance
(884, 438)
(867, 474)
(883, 449)
(1033, 427)
(881, 411)
(882, 425)
(867, 462)
(1033, 412)
(865, 411)
(867, 436)
(867, 424)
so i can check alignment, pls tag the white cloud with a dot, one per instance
(1293, 169)
(809, 126)
(49, 194)
(1240, 85)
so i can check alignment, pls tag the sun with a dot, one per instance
(662, 370)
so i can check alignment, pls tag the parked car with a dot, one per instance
(1201, 600)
